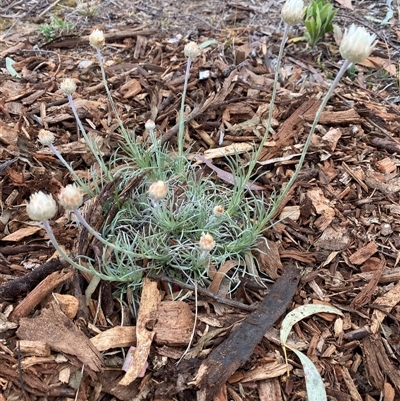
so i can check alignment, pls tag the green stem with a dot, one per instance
(94, 150)
(71, 170)
(53, 240)
(181, 131)
(97, 235)
(110, 98)
(256, 156)
(289, 185)
(90, 270)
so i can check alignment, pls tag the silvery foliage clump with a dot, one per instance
(164, 234)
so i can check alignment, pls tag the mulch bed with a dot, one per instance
(338, 247)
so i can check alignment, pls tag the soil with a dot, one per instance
(334, 240)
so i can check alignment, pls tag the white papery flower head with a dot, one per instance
(158, 190)
(150, 125)
(41, 207)
(45, 137)
(70, 197)
(207, 242)
(68, 86)
(96, 38)
(191, 50)
(293, 12)
(357, 44)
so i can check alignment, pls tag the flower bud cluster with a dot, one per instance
(43, 207)
(70, 197)
(218, 210)
(150, 125)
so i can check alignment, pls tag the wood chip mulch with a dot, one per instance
(342, 234)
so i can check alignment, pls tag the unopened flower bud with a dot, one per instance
(292, 12)
(150, 125)
(96, 38)
(70, 197)
(158, 190)
(357, 44)
(206, 243)
(218, 210)
(41, 207)
(191, 50)
(45, 137)
(68, 86)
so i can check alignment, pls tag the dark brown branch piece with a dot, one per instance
(22, 285)
(203, 291)
(225, 359)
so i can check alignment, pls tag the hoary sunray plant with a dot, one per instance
(178, 219)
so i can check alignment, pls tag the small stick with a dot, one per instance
(203, 291)
(49, 8)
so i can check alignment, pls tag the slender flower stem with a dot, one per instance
(181, 126)
(70, 169)
(53, 240)
(91, 230)
(332, 87)
(110, 98)
(257, 154)
(157, 152)
(97, 235)
(93, 149)
(91, 270)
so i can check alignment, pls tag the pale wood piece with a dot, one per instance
(344, 117)
(388, 392)
(36, 360)
(268, 257)
(386, 165)
(39, 293)
(147, 317)
(364, 253)
(116, 337)
(33, 348)
(269, 390)
(62, 335)
(357, 174)
(386, 302)
(355, 395)
(68, 304)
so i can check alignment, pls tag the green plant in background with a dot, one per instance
(318, 20)
(56, 27)
(351, 72)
